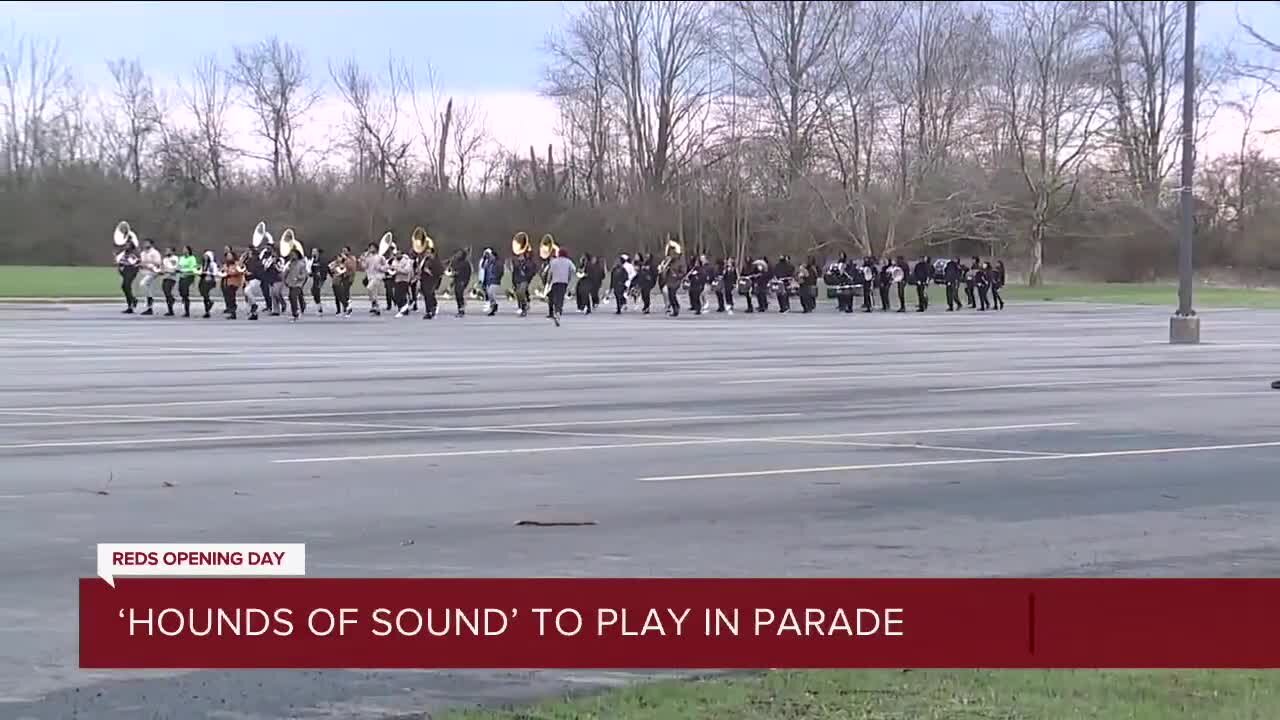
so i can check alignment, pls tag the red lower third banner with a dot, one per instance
(312, 623)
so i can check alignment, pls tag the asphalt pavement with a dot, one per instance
(1046, 439)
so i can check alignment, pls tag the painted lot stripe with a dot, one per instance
(181, 403)
(664, 443)
(1126, 381)
(131, 419)
(964, 461)
(384, 430)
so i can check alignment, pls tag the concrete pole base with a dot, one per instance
(1184, 330)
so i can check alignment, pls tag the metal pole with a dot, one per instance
(1188, 163)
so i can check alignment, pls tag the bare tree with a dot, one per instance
(657, 55)
(138, 116)
(35, 79)
(1266, 70)
(790, 65)
(274, 78)
(434, 116)
(469, 138)
(578, 77)
(1050, 96)
(209, 99)
(374, 121)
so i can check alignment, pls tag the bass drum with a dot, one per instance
(744, 287)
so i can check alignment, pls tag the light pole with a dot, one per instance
(1184, 326)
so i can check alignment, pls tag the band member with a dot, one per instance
(671, 278)
(997, 282)
(460, 267)
(837, 276)
(271, 282)
(210, 271)
(618, 279)
(319, 269)
(491, 272)
(632, 290)
(582, 290)
(696, 277)
(645, 280)
(151, 263)
(970, 273)
(294, 278)
(402, 271)
(808, 277)
(258, 273)
(188, 269)
(560, 272)
(389, 279)
(921, 274)
(233, 278)
(523, 271)
(982, 283)
(728, 285)
(902, 276)
(169, 278)
(127, 262)
(374, 265)
(430, 275)
(762, 274)
(954, 274)
(342, 273)
(884, 284)
(596, 273)
(783, 275)
(869, 275)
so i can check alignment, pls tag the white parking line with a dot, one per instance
(1123, 381)
(287, 417)
(180, 403)
(660, 443)
(964, 461)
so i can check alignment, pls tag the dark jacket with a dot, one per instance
(493, 270)
(431, 272)
(922, 272)
(954, 273)
(618, 279)
(461, 270)
(523, 270)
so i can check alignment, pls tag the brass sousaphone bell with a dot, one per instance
(261, 236)
(386, 244)
(520, 244)
(289, 243)
(421, 242)
(124, 235)
(548, 248)
(674, 247)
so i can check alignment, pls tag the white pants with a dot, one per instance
(146, 283)
(377, 290)
(253, 293)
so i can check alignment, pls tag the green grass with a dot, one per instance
(90, 282)
(926, 695)
(1146, 294)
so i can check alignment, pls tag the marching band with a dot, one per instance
(274, 278)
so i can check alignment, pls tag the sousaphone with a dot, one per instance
(387, 243)
(261, 236)
(548, 248)
(674, 247)
(124, 235)
(289, 243)
(520, 244)
(421, 242)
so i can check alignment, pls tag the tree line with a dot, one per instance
(1043, 131)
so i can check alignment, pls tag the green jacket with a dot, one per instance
(188, 265)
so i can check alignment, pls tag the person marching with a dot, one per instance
(294, 278)
(169, 278)
(982, 283)
(618, 279)
(970, 279)
(953, 274)
(997, 282)
(697, 279)
(233, 278)
(127, 262)
(210, 273)
(839, 277)
(884, 284)
(319, 273)
(523, 270)
(152, 266)
(645, 279)
(761, 274)
(784, 273)
(460, 271)
(188, 269)
(560, 272)
(728, 285)
(402, 269)
(374, 265)
(491, 272)
(430, 274)
(671, 275)
(901, 274)
(342, 273)
(869, 274)
(808, 276)
(921, 275)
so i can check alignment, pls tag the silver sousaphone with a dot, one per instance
(261, 240)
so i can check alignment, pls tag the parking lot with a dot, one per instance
(1048, 439)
